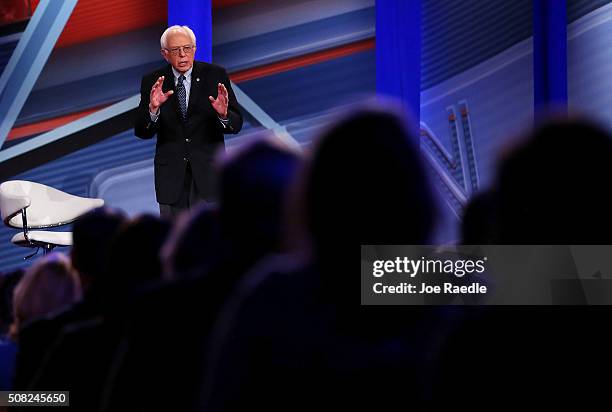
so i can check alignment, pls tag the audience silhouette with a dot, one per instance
(294, 335)
(254, 181)
(254, 302)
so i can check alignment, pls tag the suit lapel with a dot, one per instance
(197, 82)
(169, 85)
(195, 91)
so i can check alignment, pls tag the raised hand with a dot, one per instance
(158, 97)
(221, 102)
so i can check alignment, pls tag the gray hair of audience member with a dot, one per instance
(50, 284)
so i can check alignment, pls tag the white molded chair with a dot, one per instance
(27, 205)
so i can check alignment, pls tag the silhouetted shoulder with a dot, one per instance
(273, 273)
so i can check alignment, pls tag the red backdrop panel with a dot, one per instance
(92, 19)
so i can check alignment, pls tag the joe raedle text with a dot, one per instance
(425, 289)
(427, 276)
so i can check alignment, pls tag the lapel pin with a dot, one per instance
(197, 79)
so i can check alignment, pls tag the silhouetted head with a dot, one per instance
(254, 181)
(8, 283)
(553, 187)
(194, 243)
(478, 225)
(366, 184)
(135, 254)
(92, 235)
(48, 285)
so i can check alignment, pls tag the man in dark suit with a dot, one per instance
(190, 117)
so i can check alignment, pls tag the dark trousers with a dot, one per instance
(189, 197)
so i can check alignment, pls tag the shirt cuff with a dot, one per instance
(154, 116)
(224, 122)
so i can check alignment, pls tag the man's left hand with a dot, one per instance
(220, 103)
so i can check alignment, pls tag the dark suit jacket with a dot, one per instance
(194, 141)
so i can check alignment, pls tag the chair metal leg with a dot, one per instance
(32, 255)
(47, 248)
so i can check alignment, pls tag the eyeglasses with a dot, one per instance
(176, 50)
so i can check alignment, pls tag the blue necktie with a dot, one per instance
(182, 97)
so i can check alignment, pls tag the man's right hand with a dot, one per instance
(158, 97)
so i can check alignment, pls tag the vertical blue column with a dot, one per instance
(197, 14)
(549, 55)
(398, 52)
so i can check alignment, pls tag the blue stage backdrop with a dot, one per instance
(296, 64)
(398, 52)
(197, 14)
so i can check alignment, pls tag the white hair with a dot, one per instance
(176, 29)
